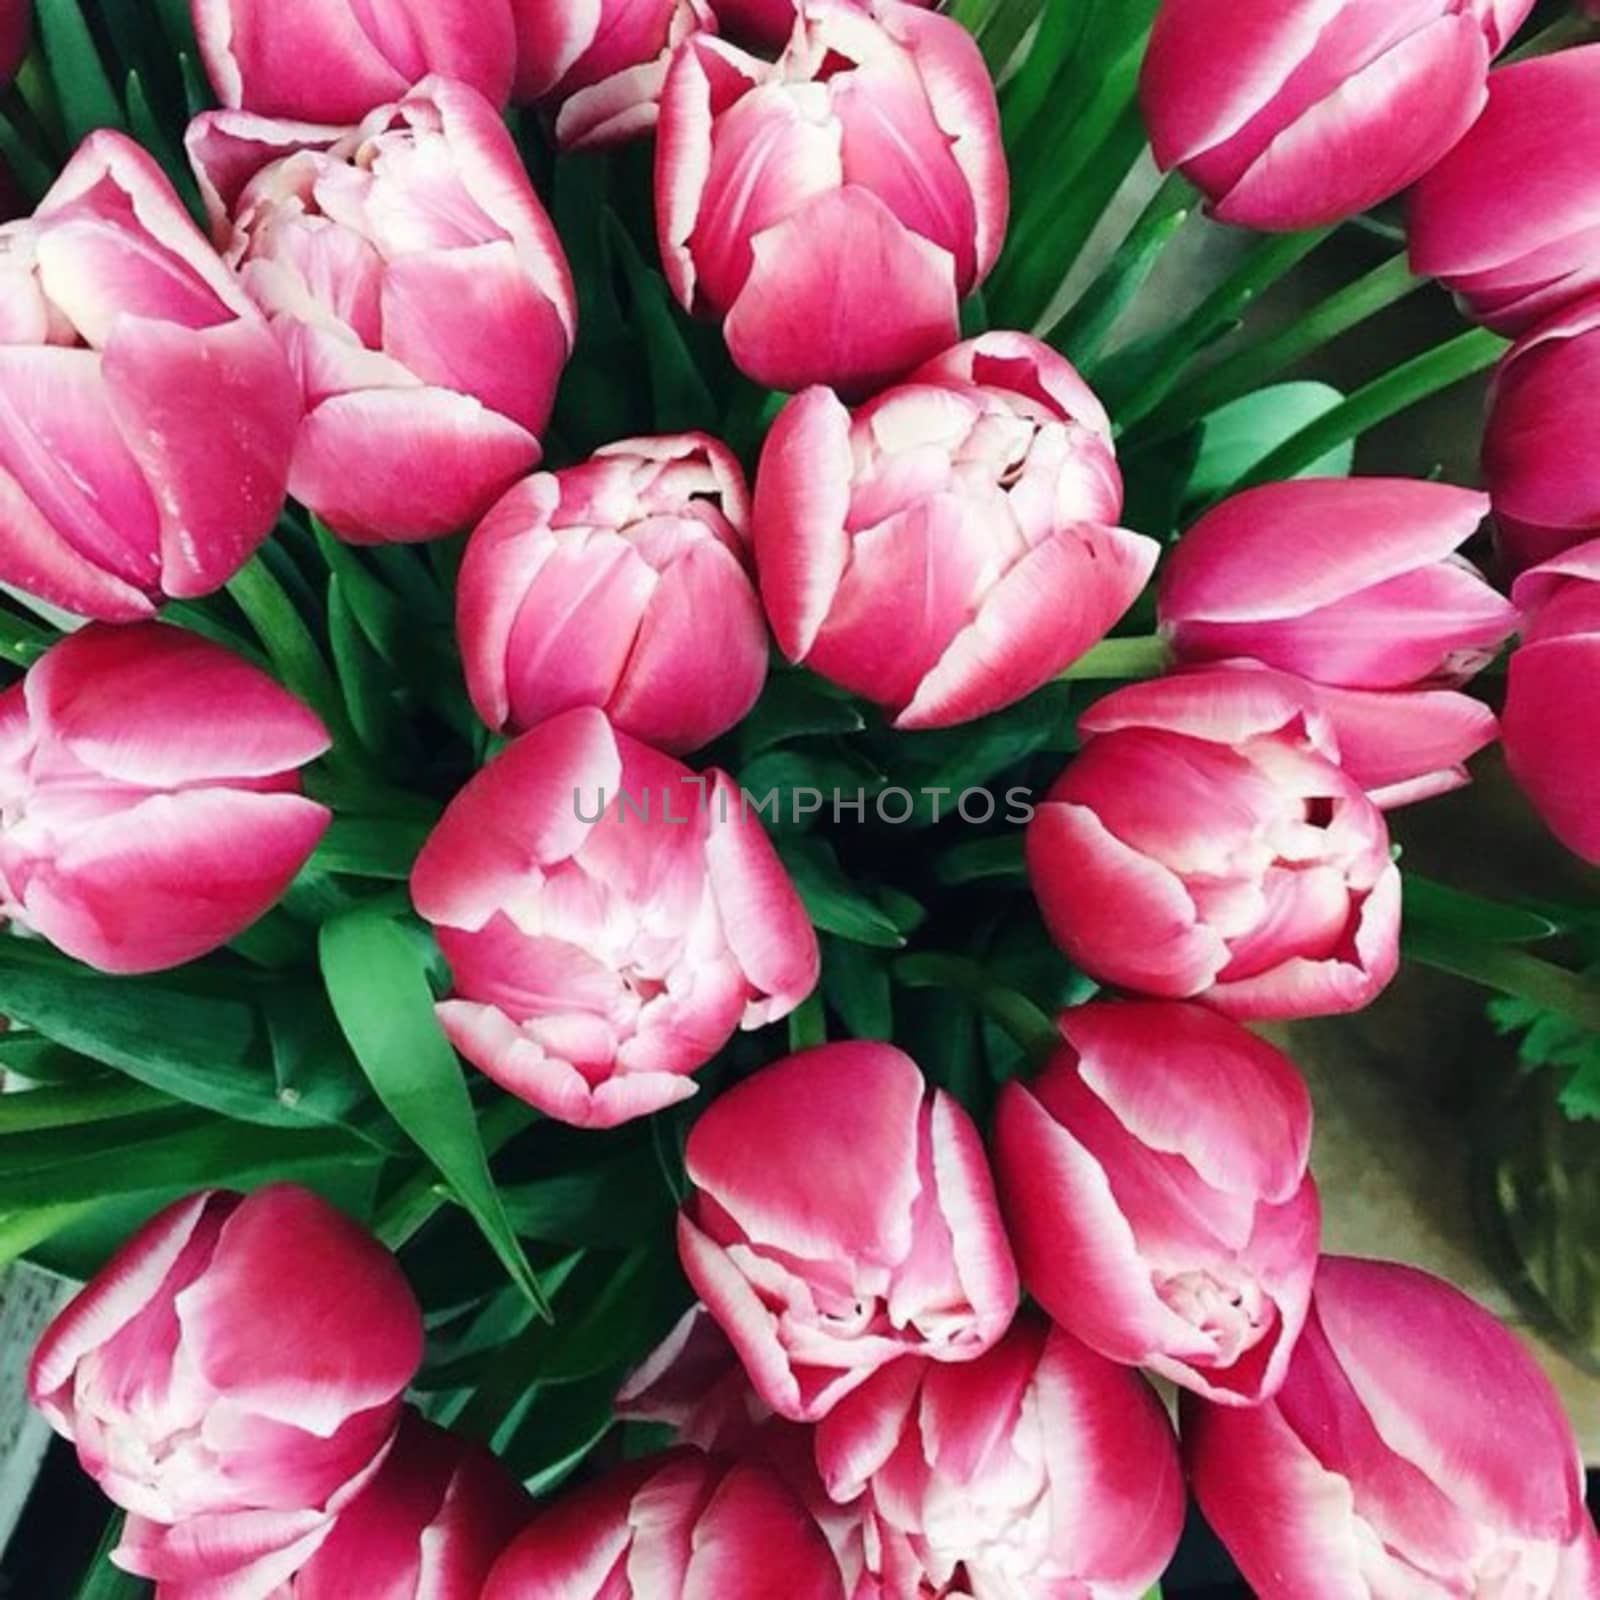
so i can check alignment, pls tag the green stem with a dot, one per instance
(1508, 969)
(22, 1230)
(807, 1023)
(1031, 1028)
(1142, 656)
(1570, 30)
(1251, 367)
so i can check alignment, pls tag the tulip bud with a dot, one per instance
(678, 1526)
(415, 281)
(833, 206)
(15, 19)
(600, 585)
(610, 919)
(1038, 1469)
(199, 1393)
(1538, 459)
(1552, 689)
(1510, 219)
(841, 1216)
(1155, 1187)
(1415, 1449)
(1353, 582)
(1296, 116)
(1205, 844)
(122, 339)
(951, 545)
(334, 60)
(149, 804)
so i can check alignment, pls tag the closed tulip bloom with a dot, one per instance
(951, 545)
(1510, 219)
(678, 1526)
(1299, 115)
(1353, 582)
(610, 919)
(335, 60)
(1538, 457)
(206, 1400)
(149, 796)
(1038, 1469)
(600, 585)
(833, 207)
(420, 291)
(1205, 844)
(122, 339)
(1415, 1450)
(841, 1216)
(1155, 1187)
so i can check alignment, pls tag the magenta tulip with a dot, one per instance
(1510, 219)
(1538, 457)
(15, 19)
(602, 584)
(1206, 845)
(679, 1526)
(335, 60)
(1155, 1188)
(149, 802)
(1299, 115)
(1039, 1469)
(420, 291)
(1353, 582)
(206, 1400)
(951, 545)
(1415, 1450)
(610, 919)
(833, 207)
(122, 338)
(841, 1216)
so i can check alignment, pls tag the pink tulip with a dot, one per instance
(602, 584)
(1353, 582)
(15, 30)
(679, 1526)
(335, 60)
(1510, 219)
(765, 25)
(610, 918)
(1552, 690)
(420, 291)
(1206, 845)
(149, 803)
(205, 1399)
(1039, 1469)
(840, 1217)
(1415, 1450)
(1542, 472)
(122, 339)
(1299, 115)
(1155, 1187)
(833, 206)
(951, 545)
(601, 67)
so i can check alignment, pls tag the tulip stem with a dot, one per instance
(1141, 656)
(1509, 970)
(1027, 1024)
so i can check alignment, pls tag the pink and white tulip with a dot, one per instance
(1205, 844)
(1353, 582)
(335, 60)
(834, 206)
(1040, 1468)
(1415, 1449)
(1552, 736)
(122, 338)
(1155, 1186)
(1297, 116)
(610, 918)
(840, 1217)
(149, 798)
(419, 290)
(229, 1417)
(951, 545)
(1510, 219)
(601, 585)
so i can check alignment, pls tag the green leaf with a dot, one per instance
(560, 1428)
(84, 91)
(1243, 433)
(855, 982)
(613, 1204)
(377, 980)
(361, 675)
(370, 847)
(1471, 916)
(147, 129)
(833, 903)
(982, 859)
(103, 1580)
(793, 705)
(105, 1100)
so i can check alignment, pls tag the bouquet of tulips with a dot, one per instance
(671, 716)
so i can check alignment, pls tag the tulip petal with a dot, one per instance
(1402, 748)
(752, 1512)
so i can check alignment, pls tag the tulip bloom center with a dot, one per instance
(1229, 1308)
